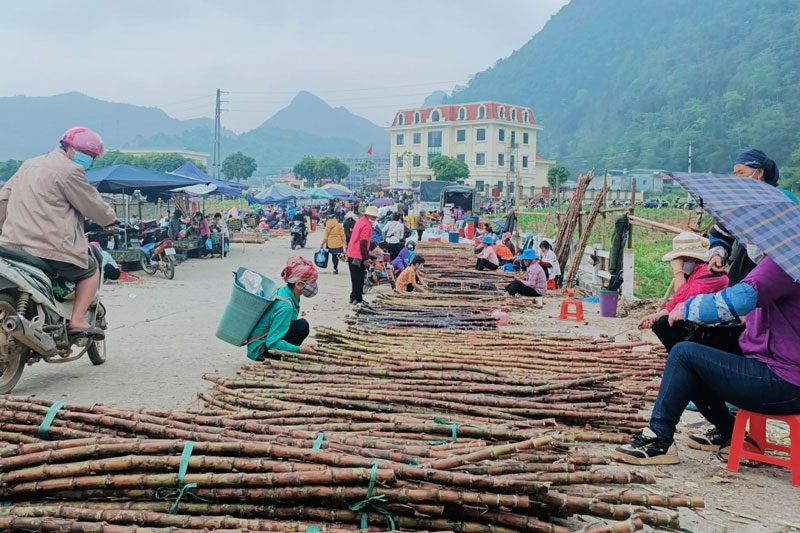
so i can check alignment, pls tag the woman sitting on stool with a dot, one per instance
(487, 258)
(535, 282)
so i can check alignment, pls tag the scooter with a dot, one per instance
(34, 321)
(159, 256)
(299, 234)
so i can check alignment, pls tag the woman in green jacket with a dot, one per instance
(284, 331)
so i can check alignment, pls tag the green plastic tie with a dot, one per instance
(313, 529)
(318, 442)
(44, 428)
(165, 493)
(372, 501)
(413, 462)
(454, 430)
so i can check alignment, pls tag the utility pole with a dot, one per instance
(689, 196)
(215, 161)
(516, 195)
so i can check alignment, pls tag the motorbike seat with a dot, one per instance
(28, 259)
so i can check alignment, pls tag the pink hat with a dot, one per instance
(506, 235)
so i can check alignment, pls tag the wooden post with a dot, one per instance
(630, 210)
(627, 274)
(558, 196)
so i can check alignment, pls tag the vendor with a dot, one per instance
(174, 226)
(409, 280)
(506, 240)
(549, 260)
(487, 258)
(280, 328)
(404, 257)
(204, 230)
(535, 282)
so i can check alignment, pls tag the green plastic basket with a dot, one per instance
(244, 309)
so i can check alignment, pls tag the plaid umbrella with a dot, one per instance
(752, 211)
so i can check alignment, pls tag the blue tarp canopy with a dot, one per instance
(277, 194)
(224, 187)
(125, 179)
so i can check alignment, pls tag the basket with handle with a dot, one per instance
(244, 309)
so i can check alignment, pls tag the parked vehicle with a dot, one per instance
(299, 234)
(159, 257)
(379, 271)
(34, 320)
(652, 203)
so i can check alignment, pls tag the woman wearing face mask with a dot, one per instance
(280, 328)
(692, 277)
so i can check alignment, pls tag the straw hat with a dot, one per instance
(688, 244)
(352, 215)
(372, 211)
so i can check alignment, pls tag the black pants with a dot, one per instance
(517, 287)
(484, 264)
(419, 234)
(335, 259)
(357, 275)
(725, 338)
(394, 249)
(297, 333)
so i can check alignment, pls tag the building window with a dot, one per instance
(434, 145)
(462, 114)
(461, 136)
(417, 138)
(480, 185)
(480, 134)
(511, 185)
(525, 138)
(482, 112)
(435, 116)
(501, 112)
(416, 117)
(462, 157)
(524, 161)
(500, 186)
(417, 160)
(501, 135)
(501, 160)
(400, 119)
(513, 138)
(525, 117)
(400, 139)
(513, 114)
(399, 161)
(512, 164)
(480, 159)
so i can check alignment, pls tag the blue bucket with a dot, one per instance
(454, 236)
(244, 309)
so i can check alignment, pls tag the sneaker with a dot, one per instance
(335, 270)
(646, 449)
(710, 441)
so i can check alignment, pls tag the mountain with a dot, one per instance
(310, 114)
(626, 83)
(32, 125)
(435, 98)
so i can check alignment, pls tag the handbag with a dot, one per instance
(321, 258)
(209, 244)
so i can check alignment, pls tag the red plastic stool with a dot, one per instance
(551, 284)
(576, 304)
(758, 433)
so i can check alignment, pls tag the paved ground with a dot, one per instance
(161, 341)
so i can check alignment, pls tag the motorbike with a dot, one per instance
(34, 312)
(380, 270)
(159, 256)
(299, 234)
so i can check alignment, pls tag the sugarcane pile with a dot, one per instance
(464, 299)
(450, 269)
(111, 470)
(441, 316)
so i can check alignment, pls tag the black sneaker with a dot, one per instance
(710, 441)
(646, 449)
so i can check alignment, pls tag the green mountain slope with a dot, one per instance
(628, 83)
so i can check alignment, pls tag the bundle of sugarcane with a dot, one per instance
(454, 317)
(103, 481)
(583, 239)
(566, 228)
(439, 297)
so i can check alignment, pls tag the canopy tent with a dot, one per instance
(126, 179)
(320, 194)
(277, 194)
(333, 187)
(382, 202)
(400, 187)
(222, 187)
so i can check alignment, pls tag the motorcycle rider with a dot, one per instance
(42, 211)
(300, 217)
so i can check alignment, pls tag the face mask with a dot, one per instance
(688, 267)
(309, 290)
(754, 253)
(83, 160)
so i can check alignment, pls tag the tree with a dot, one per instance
(332, 169)
(238, 166)
(8, 168)
(559, 172)
(160, 162)
(305, 168)
(449, 169)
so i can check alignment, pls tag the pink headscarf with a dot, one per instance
(299, 269)
(506, 236)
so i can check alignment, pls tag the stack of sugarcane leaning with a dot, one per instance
(105, 469)
(450, 269)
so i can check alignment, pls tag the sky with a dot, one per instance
(371, 57)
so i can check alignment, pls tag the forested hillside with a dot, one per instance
(628, 83)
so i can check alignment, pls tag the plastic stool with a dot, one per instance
(758, 433)
(577, 314)
(551, 284)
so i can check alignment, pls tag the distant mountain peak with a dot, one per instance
(306, 98)
(435, 98)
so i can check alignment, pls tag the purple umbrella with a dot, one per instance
(382, 202)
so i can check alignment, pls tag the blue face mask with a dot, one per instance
(83, 160)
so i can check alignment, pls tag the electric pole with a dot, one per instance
(215, 161)
(689, 196)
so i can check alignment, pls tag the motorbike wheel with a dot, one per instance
(97, 352)
(294, 243)
(169, 268)
(11, 369)
(149, 266)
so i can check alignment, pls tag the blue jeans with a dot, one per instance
(710, 377)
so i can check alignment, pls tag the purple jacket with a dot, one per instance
(535, 278)
(772, 334)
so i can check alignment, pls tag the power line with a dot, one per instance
(355, 89)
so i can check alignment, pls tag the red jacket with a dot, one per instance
(362, 231)
(702, 281)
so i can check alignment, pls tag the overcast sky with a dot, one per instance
(371, 57)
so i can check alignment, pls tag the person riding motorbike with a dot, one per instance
(42, 211)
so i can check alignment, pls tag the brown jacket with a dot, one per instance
(334, 234)
(43, 205)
